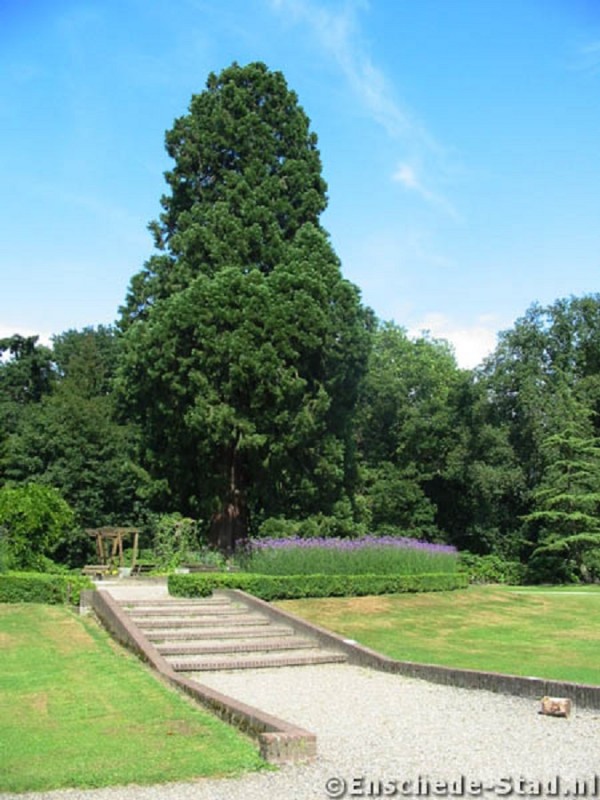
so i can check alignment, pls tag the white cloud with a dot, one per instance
(6, 331)
(339, 34)
(472, 341)
(407, 176)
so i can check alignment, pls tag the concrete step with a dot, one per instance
(211, 646)
(164, 610)
(240, 632)
(213, 600)
(291, 658)
(219, 633)
(224, 621)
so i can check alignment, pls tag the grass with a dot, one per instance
(76, 710)
(548, 633)
(366, 555)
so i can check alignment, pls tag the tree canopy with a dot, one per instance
(246, 178)
(244, 346)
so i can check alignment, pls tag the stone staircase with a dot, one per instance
(222, 633)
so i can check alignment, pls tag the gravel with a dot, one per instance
(374, 728)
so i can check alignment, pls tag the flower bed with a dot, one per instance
(385, 555)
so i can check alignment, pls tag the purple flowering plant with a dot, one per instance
(377, 555)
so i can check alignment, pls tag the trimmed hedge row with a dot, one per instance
(36, 587)
(295, 587)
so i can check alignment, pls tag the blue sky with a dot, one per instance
(460, 141)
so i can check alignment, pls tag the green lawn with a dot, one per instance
(549, 633)
(78, 711)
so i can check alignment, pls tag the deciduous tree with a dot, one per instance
(403, 429)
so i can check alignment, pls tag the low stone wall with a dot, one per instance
(279, 742)
(583, 695)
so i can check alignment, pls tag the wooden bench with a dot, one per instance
(96, 570)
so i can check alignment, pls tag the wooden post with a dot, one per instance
(115, 545)
(136, 536)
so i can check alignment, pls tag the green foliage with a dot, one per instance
(87, 359)
(71, 440)
(565, 519)
(210, 558)
(246, 178)
(543, 568)
(36, 587)
(244, 346)
(404, 428)
(4, 553)
(550, 356)
(281, 587)
(397, 500)
(340, 524)
(590, 564)
(491, 569)
(176, 540)
(482, 490)
(26, 375)
(74, 443)
(544, 373)
(403, 414)
(37, 521)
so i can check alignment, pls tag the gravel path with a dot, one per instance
(379, 728)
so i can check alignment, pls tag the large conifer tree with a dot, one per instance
(243, 345)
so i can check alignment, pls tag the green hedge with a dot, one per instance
(293, 587)
(36, 587)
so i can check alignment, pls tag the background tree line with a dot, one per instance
(246, 386)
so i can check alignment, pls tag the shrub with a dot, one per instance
(289, 587)
(37, 521)
(34, 587)
(175, 539)
(491, 569)
(549, 568)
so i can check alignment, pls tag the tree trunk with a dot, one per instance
(230, 524)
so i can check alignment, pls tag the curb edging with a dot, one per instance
(583, 695)
(280, 742)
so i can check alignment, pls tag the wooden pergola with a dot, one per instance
(109, 544)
